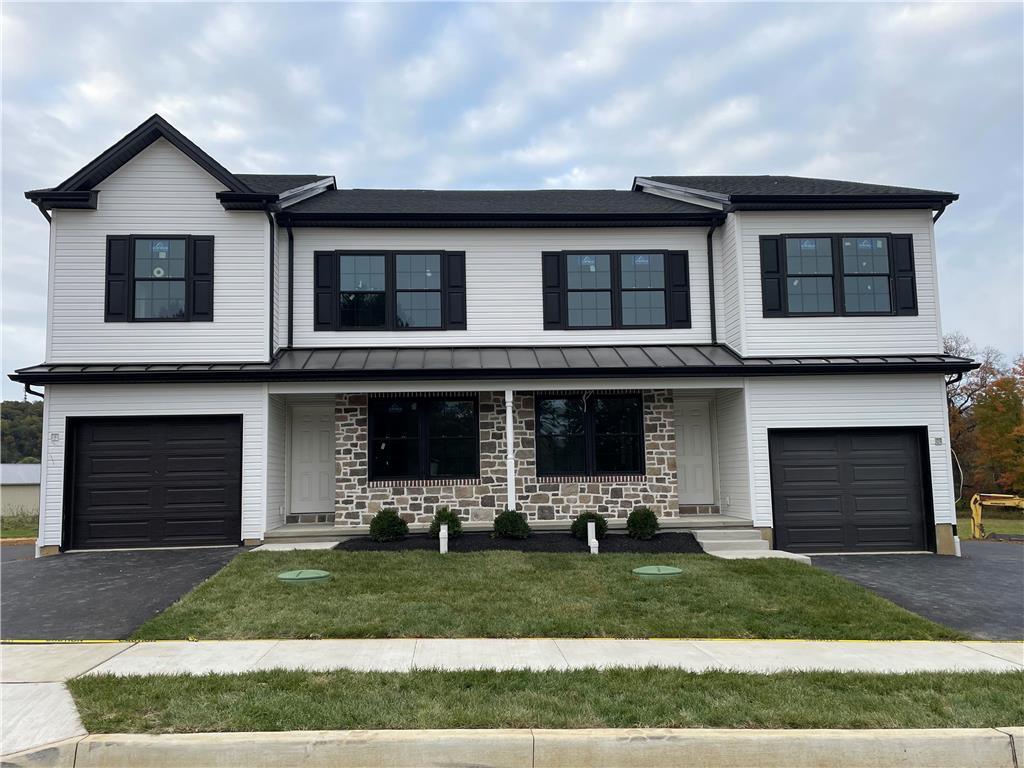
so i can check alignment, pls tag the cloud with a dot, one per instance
(510, 95)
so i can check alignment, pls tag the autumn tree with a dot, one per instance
(998, 416)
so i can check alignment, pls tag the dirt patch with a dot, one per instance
(676, 541)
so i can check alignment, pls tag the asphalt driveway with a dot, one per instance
(98, 595)
(981, 593)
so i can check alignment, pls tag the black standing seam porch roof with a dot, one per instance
(440, 363)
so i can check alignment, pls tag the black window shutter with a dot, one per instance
(455, 292)
(202, 277)
(325, 298)
(554, 311)
(677, 279)
(905, 300)
(116, 302)
(772, 276)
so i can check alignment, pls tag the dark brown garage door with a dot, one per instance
(848, 490)
(140, 482)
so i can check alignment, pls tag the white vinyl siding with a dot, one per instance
(849, 401)
(730, 331)
(733, 462)
(277, 442)
(159, 192)
(503, 283)
(888, 334)
(84, 400)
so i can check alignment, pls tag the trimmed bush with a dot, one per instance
(642, 523)
(511, 525)
(442, 516)
(388, 526)
(579, 525)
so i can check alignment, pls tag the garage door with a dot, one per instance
(140, 482)
(848, 490)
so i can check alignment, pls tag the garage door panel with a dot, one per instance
(795, 443)
(865, 493)
(181, 483)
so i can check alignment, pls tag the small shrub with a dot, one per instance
(579, 525)
(511, 525)
(388, 526)
(442, 516)
(642, 523)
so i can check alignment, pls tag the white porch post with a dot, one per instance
(510, 461)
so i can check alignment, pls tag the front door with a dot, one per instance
(312, 480)
(694, 453)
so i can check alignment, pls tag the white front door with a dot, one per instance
(312, 480)
(694, 452)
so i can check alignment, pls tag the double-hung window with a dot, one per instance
(616, 289)
(423, 438)
(159, 278)
(389, 290)
(843, 274)
(589, 434)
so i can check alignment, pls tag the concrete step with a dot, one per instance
(727, 534)
(726, 546)
(758, 554)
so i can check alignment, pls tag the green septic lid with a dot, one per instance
(306, 576)
(656, 572)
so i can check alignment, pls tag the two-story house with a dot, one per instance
(231, 354)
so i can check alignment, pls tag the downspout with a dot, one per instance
(291, 282)
(30, 391)
(42, 210)
(711, 281)
(270, 323)
(942, 210)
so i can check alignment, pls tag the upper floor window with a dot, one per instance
(389, 291)
(837, 275)
(159, 278)
(616, 289)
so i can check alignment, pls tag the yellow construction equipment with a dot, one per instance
(981, 500)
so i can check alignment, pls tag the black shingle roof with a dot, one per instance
(773, 186)
(276, 183)
(537, 202)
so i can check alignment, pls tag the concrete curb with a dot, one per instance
(542, 748)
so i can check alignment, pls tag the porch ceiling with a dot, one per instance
(533, 362)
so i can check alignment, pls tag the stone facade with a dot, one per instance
(357, 499)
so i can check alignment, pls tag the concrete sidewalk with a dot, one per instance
(56, 663)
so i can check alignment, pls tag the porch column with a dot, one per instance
(510, 461)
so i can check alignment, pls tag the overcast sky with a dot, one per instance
(530, 96)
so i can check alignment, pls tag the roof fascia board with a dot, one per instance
(78, 199)
(703, 196)
(837, 204)
(305, 219)
(115, 156)
(292, 196)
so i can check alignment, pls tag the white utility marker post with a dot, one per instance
(443, 538)
(510, 454)
(592, 536)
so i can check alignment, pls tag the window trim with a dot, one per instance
(615, 287)
(390, 288)
(589, 436)
(838, 275)
(188, 280)
(423, 438)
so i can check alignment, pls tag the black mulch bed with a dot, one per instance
(676, 541)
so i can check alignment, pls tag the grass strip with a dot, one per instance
(618, 698)
(516, 594)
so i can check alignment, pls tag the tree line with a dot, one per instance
(21, 432)
(986, 420)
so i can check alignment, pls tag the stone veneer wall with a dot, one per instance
(357, 499)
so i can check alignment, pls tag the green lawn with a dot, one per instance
(618, 698)
(515, 594)
(19, 526)
(992, 525)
